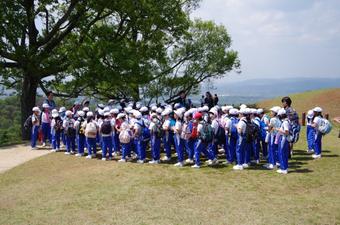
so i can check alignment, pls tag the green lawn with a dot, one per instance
(59, 189)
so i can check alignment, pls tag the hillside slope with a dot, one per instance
(328, 99)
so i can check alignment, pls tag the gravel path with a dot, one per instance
(11, 156)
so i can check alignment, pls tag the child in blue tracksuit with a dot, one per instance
(115, 138)
(46, 124)
(274, 125)
(179, 141)
(282, 141)
(106, 136)
(80, 130)
(189, 141)
(35, 127)
(310, 133)
(123, 128)
(62, 115)
(56, 130)
(138, 136)
(233, 135)
(156, 136)
(201, 146)
(168, 135)
(317, 121)
(212, 147)
(91, 130)
(70, 133)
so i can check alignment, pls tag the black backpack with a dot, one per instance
(252, 132)
(220, 137)
(28, 123)
(106, 127)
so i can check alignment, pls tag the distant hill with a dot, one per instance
(328, 99)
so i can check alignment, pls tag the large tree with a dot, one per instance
(50, 43)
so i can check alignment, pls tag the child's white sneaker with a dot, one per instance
(179, 164)
(269, 166)
(238, 167)
(165, 159)
(316, 156)
(67, 153)
(79, 154)
(189, 161)
(34, 148)
(195, 166)
(44, 144)
(122, 160)
(255, 161)
(57, 150)
(213, 162)
(140, 161)
(103, 159)
(89, 157)
(72, 152)
(154, 162)
(245, 165)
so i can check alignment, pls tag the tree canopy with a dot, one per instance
(109, 48)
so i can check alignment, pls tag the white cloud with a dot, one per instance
(279, 36)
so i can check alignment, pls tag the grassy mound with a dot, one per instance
(328, 99)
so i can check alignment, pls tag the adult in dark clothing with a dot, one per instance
(215, 100)
(209, 101)
(182, 100)
(49, 100)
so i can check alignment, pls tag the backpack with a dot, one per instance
(28, 123)
(186, 131)
(125, 137)
(220, 137)
(145, 134)
(233, 129)
(70, 132)
(81, 130)
(294, 132)
(159, 131)
(194, 133)
(106, 127)
(252, 131)
(58, 124)
(91, 129)
(206, 134)
(325, 126)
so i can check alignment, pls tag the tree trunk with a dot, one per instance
(27, 102)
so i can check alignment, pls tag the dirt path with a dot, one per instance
(15, 155)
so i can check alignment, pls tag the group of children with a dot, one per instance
(242, 134)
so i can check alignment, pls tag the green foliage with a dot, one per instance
(9, 120)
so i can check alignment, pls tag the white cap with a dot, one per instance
(36, 109)
(62, 109)
(137, 114)
(107, 114)
(317, 109)
(275, 109)
(45, 105)
(213, 111)
(68, 113)
(88, 114)
(243, 106)
(107, 109)
(233, 111)
(166, 112)
(114, 111)
(101, 112)
(159, 110)
(55, 114)
(54, 111)
(86, 109)
(138, 105)
(154, 108)
(177, 105)
(81, 113)
(121, 115)
(205, 108)
(128, 109)
(260, 111)
(253, 111)
(282, 111)
(187, 113)
(144, 109)
(179, 113)
(310, 114)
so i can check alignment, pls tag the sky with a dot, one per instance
(280, 38)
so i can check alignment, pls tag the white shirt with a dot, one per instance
(274, 123)
(166, 125)
(285, 126)
(241, 126)
(215, 125)
(35, 120)
(45, 117)
(178, 127)
(317, 121)
(199, 127)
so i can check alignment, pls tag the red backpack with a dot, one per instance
(194, 133)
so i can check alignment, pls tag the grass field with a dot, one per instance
(60, 189)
